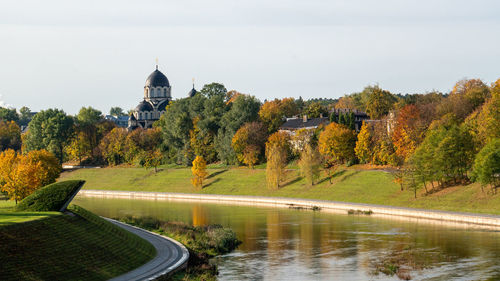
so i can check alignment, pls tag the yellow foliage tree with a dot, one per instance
(276, 162)
(153, 159)
(79, 147)
(20, 175)
(309, 163)
(364, 149)
(199, 171)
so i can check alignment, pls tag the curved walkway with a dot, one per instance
(170, 255)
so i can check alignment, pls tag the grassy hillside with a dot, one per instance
(349, 185)
(64, 247)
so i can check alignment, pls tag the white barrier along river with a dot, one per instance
(344, 207)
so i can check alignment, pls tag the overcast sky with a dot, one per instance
(69, 54)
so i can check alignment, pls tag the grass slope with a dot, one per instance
(51, 197)
(9, 216)
(64, 247)
(349, 185)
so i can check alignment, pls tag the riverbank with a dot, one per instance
(348, 185)
(65, 246)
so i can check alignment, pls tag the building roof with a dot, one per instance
(144, 106)
(298, 123)
(157, 79)
(163, 105)
(192, 93)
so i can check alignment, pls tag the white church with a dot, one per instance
(157, 95)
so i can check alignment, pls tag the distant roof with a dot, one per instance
(298, 123)
(192, 93)
(163, 105)
(144, 106)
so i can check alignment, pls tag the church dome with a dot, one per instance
(144, 106)
(157, 79)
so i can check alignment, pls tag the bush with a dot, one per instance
(52, 197)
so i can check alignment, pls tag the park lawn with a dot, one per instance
(64, 247)
(9, 216)
(348, 185)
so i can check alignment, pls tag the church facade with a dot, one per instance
(157, 95)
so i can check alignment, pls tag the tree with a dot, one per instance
(281, 140)
(202, 143)
(380, 102)
(24, 116)
(20, 175)
(310, 163)
(116, 111)
(250, 134)
(79, 147)
(10, 135)
(271, 114)
(113, 146)
(153, 159)
(8, 114)
(486, 168)
(244, 108)
(276, 163)
(199, 171)
(408, 132)
(289, 107)
(364, 144)
(50, 130)
(315, 110)
(337, 143)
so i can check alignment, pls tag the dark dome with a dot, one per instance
(132, 117)
(163, 105)
(192, 93)
(144, 106)
(157, 79)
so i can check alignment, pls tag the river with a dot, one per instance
(289, 244)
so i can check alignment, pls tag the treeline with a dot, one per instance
(432, 139)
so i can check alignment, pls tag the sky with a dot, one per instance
(68, 54)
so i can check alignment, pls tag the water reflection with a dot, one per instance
(283, 244)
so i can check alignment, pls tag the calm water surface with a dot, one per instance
(285, 244)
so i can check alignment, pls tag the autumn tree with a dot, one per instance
(249, 135)
(271, 114)
(276, 163)
(10, 135)
(50, 130)
(199, 171)
(364, 144)
(281, 140)
(315, 110)
(379, 103)
(153, 159)
(289, 107)
(337, 143)
(79, 147)
(113, 146)
(20, 174)
(310, 163)
(408, 132)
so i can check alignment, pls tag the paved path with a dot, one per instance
(171, 255)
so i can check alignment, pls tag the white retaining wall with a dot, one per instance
(456, 217)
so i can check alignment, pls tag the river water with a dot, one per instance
(288, 244)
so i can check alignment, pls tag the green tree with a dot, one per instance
(10, 135)
(486, 168)
(8, 114)
(116, 111)
(243, 109)
(51, 130)
(24, 116)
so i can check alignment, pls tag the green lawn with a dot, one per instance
(9, 216)
(349, 185)
(64, 247)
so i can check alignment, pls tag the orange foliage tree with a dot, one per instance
(20, 175)
(408, 132)
(199, 171)
(248, 143)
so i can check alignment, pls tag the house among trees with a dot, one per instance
(350, 118)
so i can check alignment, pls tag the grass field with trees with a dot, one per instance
(353, 184)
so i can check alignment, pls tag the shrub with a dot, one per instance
(52, 197)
